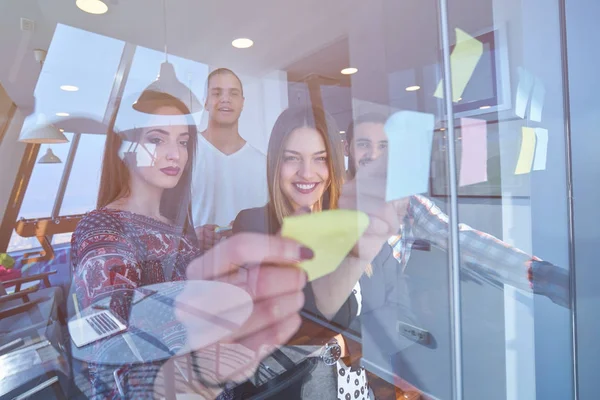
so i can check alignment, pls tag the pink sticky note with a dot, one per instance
(473, 163)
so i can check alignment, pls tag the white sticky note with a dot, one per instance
(523, 91)
(527, 151)
(537, 101)
(473, 162)
(463, 60)
(144, 153)
(410, 136)
(541, 149)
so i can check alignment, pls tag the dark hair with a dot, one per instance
(362, 119)
(288, 121)
(222, 71)
(175, 203)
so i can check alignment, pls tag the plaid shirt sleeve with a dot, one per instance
(492, 257)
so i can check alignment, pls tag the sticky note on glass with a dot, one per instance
(541, 149)
(145, 154)
(527, 151)
(523, 91)
(537, 101)
(473, 162)
(463, 60)
(410, 135)
(330, 234)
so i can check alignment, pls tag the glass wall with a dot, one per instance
(465, 106)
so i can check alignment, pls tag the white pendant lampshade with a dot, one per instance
(49, 158)
(42, 132)
(167, 84)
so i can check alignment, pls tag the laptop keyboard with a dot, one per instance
(102, 324)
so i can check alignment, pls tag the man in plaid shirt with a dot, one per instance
(489, 258)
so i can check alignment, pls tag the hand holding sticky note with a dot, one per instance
(330, 234)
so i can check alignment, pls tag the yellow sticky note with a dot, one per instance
(463, 60)
(527, 151)
(330, 234)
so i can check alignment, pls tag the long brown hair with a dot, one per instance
(290, 120)
(175, 203)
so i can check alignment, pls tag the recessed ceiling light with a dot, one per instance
(442, 129)
(69, 88)
(92, 6)
(61, 129)
(62, 114)
(349, 71)
(242, 43)
(484, 107)
(413, 88)
(342, 132)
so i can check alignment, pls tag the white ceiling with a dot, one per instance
(301, 36)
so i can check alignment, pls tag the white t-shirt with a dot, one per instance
(223, 185)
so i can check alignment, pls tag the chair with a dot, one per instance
(33, 358)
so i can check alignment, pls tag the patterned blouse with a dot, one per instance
(112, 249)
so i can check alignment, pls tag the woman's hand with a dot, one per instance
(264, 266)
(366, 193)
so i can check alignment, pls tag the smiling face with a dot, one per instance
(225, 99)
(162, 152)
(304, 172)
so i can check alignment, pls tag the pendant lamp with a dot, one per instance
(166, 83)
(49, 158)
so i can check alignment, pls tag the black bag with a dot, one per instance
(286, 385)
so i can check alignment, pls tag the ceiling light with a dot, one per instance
(413, 88)
(49, 158)
(92, 6)
(69, 88)
(342, 132)
(442, 129)
(242, 43)
(62, 130)
(42, 132)
(484, 107)
(459, 99)
(349, 71)
(62, 114)
(165, 86)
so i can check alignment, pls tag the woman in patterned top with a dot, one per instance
(141, 233)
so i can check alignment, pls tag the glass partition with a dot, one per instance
(443, 122)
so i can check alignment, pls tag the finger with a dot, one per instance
(246, 248)
(270, 312)
(265, 281)
(227, 234)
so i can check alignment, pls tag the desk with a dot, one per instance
(156, 333)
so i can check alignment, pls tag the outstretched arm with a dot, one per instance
(494, 257)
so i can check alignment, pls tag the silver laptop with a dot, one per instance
(104, 322)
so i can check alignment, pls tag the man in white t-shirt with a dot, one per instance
(230, 174)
